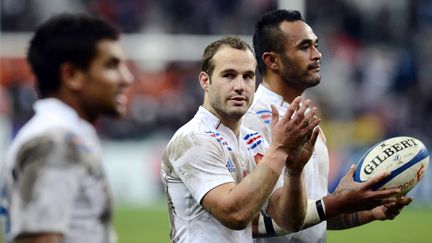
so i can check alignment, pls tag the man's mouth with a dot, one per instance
(238, 99)
(121, 99)
(314, 67)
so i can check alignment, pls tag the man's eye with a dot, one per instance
(229, 75)
(112, 64)
(304, 48)
(248, 77)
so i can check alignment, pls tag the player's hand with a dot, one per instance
(298, 158)
(353, 196)
(294, 132)
(392, 209)
(308, 122)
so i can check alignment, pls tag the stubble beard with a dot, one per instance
(304, 81)
(297, 77)
(228, 112)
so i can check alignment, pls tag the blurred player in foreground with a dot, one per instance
(286, 49)
(54, 183)
(216, 177)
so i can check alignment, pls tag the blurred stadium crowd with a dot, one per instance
(187, 16)
(376, 81)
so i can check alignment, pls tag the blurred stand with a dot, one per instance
(375, 76)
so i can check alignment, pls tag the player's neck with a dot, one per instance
(231, 122)
(282, 88)
(234, 126)
(74, 103)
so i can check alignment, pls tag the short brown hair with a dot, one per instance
(230, 41)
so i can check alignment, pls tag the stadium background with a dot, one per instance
(376, 83)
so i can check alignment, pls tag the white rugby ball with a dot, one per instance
(406, 158)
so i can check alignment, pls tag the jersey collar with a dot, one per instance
(271, 97)
(207, 117)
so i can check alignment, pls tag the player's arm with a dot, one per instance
(389, 211)
(288, 205)
(289, 200)
(235, 205)
(299, 209)
(264, 226)
(40, 238)
(351, 205)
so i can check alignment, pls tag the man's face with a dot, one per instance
(105, 81)
(300, 59)
(231, 87)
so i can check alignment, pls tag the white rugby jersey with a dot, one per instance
(202, 155)
(53, 178)
(316, 170)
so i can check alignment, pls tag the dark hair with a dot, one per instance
(230, 41)
(65, 38)
(268, 35)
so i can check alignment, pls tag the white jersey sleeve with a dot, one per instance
(199, 161)
(47, 173)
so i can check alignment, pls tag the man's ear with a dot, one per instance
(270, 59)
(71, 76)
(204, 80)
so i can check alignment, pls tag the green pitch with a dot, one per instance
(412, 225)
(151, 225)
(142, 225)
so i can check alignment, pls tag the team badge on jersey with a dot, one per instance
(220, 139)
(265, 116)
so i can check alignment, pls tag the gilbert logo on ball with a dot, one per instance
(406, 158)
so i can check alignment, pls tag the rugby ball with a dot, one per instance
(406, 159)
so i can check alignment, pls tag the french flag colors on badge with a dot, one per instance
(265, 115)
(220, 139)
(253, 140)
